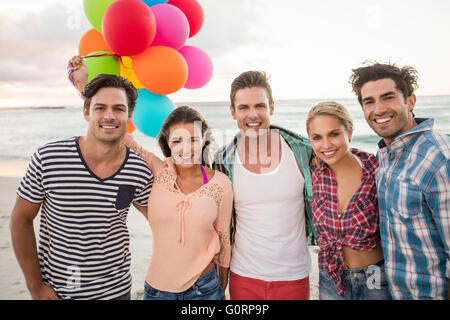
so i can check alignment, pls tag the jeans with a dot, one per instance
(360, 284)
(207, 287)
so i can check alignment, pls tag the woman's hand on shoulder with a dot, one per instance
(128, 140)
(153, 161)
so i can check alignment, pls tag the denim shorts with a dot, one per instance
(360, 284)
(207, 287)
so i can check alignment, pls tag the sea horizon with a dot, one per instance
(177, 103)
(26, 129)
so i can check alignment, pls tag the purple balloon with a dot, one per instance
(200, 67)
(172, 26)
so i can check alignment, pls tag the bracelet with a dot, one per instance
(70, 70)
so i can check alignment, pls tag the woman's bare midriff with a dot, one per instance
(356, 259)
(208, 268)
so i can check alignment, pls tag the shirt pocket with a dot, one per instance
(125, 195)
(319, 209)
(321, 218)
(406, 200)
(365, 216)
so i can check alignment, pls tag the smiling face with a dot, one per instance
(329, 138)
(186, 143)
(108, 115)
(386, 110)
(252, 111)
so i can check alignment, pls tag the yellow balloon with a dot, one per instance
(126, 71)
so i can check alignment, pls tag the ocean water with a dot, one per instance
(22, 131)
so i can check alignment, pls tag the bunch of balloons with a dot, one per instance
(144, 41)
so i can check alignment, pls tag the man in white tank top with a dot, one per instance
(269, 169)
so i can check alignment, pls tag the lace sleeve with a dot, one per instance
(222, 225)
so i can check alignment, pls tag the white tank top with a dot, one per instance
(270, 240)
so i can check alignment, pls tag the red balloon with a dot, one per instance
(194, 13)
(129, 27)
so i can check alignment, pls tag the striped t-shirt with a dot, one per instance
(84, 241)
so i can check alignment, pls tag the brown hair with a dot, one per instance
(186, 114)
(251, 79)
(110, 81)
(405, 78)
(330, 108)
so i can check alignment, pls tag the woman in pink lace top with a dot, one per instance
(189, 210)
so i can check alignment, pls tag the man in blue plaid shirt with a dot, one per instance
(412, 182)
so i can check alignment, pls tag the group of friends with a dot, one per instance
(244, 215)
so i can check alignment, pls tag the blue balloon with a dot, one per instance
(150, 112)
(153, 2)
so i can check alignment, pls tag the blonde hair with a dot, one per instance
(330, 108)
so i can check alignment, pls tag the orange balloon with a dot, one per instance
(126, 71)
(130, 127)
(162, 70)
(92, 41)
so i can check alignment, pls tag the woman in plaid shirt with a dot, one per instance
(345, 209)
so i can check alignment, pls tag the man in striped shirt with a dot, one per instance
(84, 187)
(412, 182)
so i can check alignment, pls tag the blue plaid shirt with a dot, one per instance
(414, 203)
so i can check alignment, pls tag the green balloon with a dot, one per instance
(97, 65)
(95, 10)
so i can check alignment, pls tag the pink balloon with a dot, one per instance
(172, 26)
(200, 67)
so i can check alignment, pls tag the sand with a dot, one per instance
(12, 283)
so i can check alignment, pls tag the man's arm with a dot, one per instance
(80, 73)
(223, 276)
(24, 244)
(141, 209)
(438, 200)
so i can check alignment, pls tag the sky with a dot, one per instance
(308, 48)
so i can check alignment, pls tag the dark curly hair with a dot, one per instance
(110, 81)
(186, 114)
(405, 78)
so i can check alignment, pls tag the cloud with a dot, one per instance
(36, 45)
(228, 25)
(307, 45)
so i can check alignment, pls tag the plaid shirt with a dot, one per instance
(224, 161)
(356, 227)
(414, 199)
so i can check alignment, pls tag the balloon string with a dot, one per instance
(70, 70)
(116, 56)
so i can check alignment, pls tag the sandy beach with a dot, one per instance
(12, 284)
